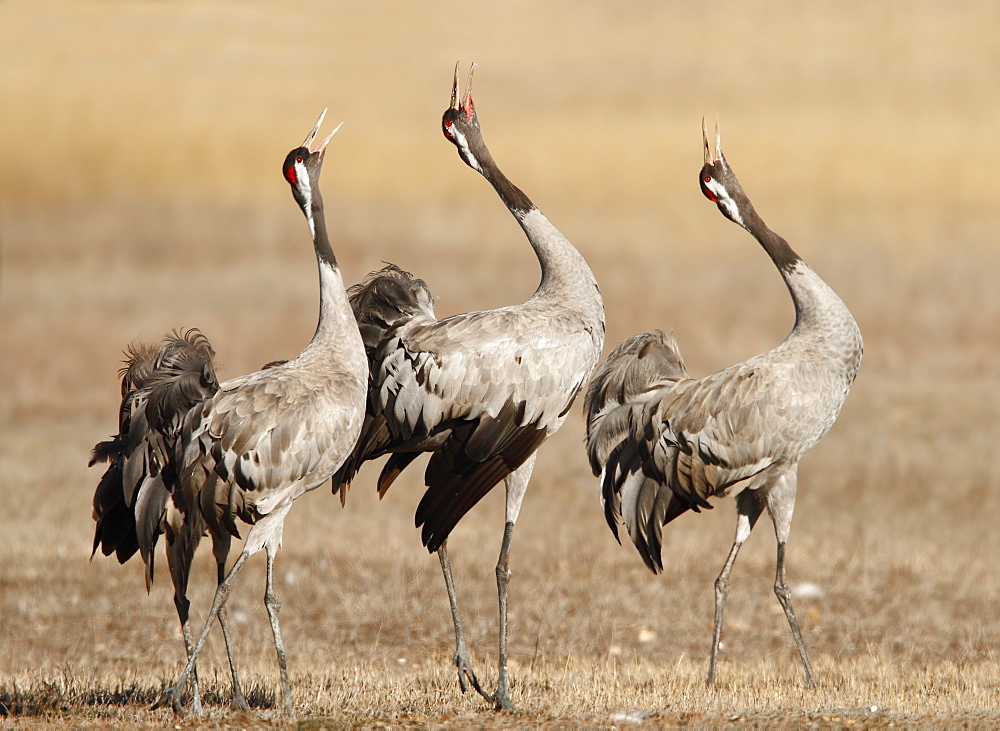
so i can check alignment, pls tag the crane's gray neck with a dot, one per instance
(336, 326)
(816, 304)
(512, 196)
(317, 227)
(564, 270)
(563, 267)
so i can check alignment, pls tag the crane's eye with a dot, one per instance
(298, 159)
(708, 178)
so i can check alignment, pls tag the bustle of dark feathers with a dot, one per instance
(637, 366)
(386, 298)
(383, 300)
(163, 383)
(468, 457)
(476, 456)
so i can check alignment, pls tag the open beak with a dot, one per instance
(322, 145)
(466, 104)
(315, 130)
(711, 159)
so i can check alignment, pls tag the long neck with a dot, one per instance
(317, 227)
(563, 267)
(816, 304)
(336, 325)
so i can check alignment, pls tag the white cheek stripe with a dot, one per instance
(723, 195)
(730, 205)
(467, 155)
(305, 186)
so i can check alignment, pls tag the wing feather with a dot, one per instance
(665, 443)
(481, 391)
(160, 384)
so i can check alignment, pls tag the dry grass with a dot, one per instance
(140, 192)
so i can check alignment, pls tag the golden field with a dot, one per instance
(140, 191)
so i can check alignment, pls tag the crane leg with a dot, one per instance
(781, 504)
(516, 484)
(183, 606)
(721, 592)
(501, 699)
(221, 550)
(273, 605)
(785, 598)
(172, 694)
(748, 509)
(466, 676)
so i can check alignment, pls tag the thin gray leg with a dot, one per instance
(273, 605)
(183, 606)
(239, 700)
(748, 509)
(501, 700)
(517, 485)
(172, 694)
(461, 659)
(785, 598)
(721, 592)
(781, 505)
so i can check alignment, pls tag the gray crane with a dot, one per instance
(195, 455)
(480, 391)
(664, 443)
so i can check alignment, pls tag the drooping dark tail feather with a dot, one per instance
(392, 469)
(115, 532)
(619, 408)
(651, 505)
(371, 444)
(475, 457)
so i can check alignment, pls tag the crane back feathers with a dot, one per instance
(481, 391)
(665, 443)
(192, 453)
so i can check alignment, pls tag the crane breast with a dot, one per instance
(271, 436)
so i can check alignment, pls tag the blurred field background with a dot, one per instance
(139, 191)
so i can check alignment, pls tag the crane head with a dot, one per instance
(303, 165)
(461, 125)
(717, 181)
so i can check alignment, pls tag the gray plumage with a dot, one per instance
(480, 391)
(665, 443)
(194, 455)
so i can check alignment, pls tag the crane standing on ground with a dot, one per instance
(195, 455)
(664, 443)
(480, 391)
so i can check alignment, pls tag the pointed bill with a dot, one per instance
(704, 139)
(454, 89)
(324, 143)
(312, 135)
(468, 90)
(718, 139)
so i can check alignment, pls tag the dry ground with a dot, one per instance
(139, 191)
